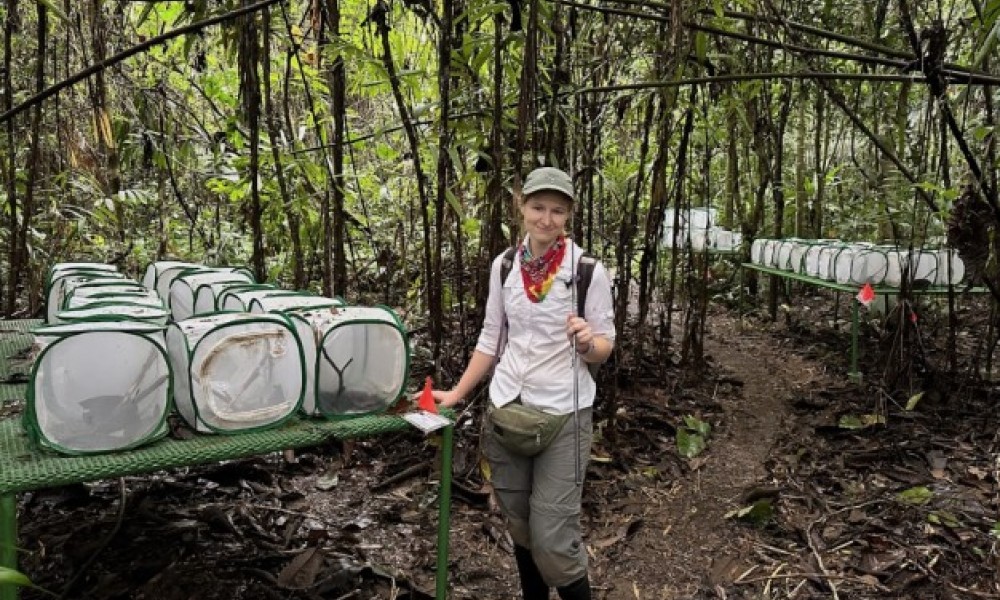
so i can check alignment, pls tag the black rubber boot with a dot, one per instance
(578, 590)
(532, 585)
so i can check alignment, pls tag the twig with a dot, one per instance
(406, 473)
(971, 592)
(819, 559)
(827, 576)
(104, 543)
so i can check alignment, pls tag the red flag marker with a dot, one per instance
(866, 295)
(427, 398)
(913, 318)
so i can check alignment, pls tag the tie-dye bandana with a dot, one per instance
(539, 273)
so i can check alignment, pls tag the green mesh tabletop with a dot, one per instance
(25, 467)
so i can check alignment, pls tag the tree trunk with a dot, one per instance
(249, 61)
(819, 145)
(525, 113)
(493, 227)
(10, 163)
(273, 132)
(732, 170)
(444, 167)
(431, 280)
(778, 169)
(334, 225)
(34, 166)
(107, 147)
(801, 194)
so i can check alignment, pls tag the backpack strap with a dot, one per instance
(506, 264)
(584, 275)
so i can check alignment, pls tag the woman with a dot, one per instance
(535, 475)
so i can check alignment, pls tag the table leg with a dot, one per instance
(854, 374)
(444, 515)
(8, 542)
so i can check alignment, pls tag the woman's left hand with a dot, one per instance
(578, 327)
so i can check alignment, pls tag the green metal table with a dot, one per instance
(24, 467)
(852, 289)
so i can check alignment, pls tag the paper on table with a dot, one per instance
(426, 421)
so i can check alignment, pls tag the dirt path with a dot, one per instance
(697, 546)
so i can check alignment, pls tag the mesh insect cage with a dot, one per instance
(98, 386)
(236, 372)
(360, 359)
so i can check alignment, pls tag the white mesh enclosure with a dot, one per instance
(291, 301)
(115, 311)
(183, 289)
(207, 296)
(98, 387)
(60, 269)
(236, 372)
(148, 298)
(153, 271)
(860, 264)
(168, 275)
(124, 287)
(362, 360)
(97, 286)
(239, 299)
(65, 281)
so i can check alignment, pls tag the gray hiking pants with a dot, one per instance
(541, 501)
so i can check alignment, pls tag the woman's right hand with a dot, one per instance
(446, 398)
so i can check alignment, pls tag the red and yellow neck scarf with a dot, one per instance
(539, 273)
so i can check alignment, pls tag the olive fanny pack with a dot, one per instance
(523, 430)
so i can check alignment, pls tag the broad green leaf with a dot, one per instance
(49, 4)
(689, 445)
(914, 399)
(697, 425)
(455, 204)
(943, 517)
(9, 576)
(701, 45)
(918, 495)
(759, 513)
(850, 422)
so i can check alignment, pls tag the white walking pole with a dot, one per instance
(576, 381)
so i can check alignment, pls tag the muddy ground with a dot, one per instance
(809, 487)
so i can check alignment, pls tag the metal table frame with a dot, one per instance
(852, 289)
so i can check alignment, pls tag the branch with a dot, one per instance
(137, 49)
(901, 60)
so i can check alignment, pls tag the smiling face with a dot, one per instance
(545, 215)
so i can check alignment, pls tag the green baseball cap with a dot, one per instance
(548, 178)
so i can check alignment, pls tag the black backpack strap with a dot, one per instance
(584, 274)
(506, 264)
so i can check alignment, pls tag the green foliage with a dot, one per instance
(692, 436)
(13, 577)
(918, 495)
(759, 514)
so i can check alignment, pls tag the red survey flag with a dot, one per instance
(427, 398)
(866, 295)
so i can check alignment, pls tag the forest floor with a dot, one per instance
(809, 487)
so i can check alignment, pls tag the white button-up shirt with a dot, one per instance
(537, 361)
